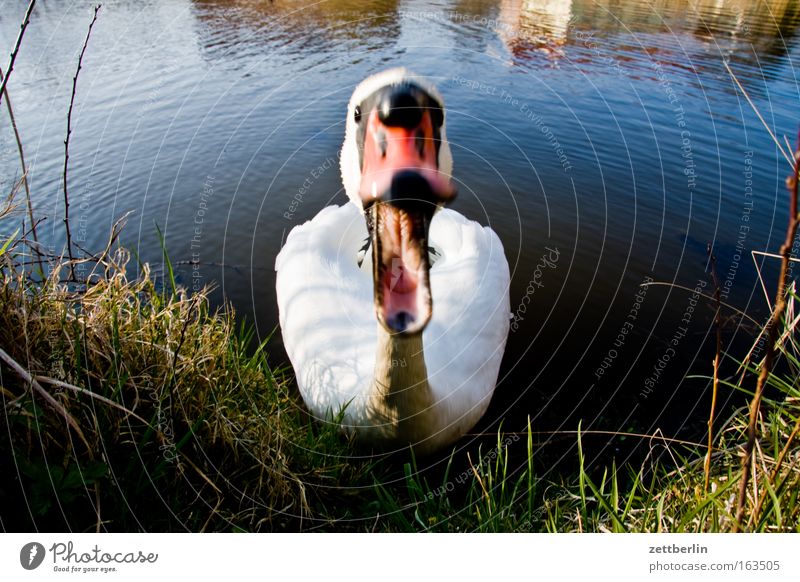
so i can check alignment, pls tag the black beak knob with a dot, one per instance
(400, 107)
(411, 191)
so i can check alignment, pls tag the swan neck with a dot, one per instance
(401, 383)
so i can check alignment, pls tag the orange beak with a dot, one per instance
(401, 188)
(390, 150)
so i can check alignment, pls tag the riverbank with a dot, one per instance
(129, 404)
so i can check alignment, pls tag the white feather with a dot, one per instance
(329, 328)
(328, 320)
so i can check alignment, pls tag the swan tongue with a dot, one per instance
(400, 256)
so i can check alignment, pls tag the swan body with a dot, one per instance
(423, 379)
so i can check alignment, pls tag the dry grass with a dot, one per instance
(129, 404)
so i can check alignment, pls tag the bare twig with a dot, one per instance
(772, 333)
(784, 451)
(24, 240)
(715, 385)
(776, 469)
(97, 507)
(202, 475)
(104, 256)
(25, 375)
(66, 141)
(13, 120)
(703, 295)
(785, 153)
(22, 28)
(90, 394)
(757, 340)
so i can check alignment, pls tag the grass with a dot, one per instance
(131, 405)
(158, 408)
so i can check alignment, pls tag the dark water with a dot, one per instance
(605, 135)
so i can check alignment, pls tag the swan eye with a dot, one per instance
(357, 114)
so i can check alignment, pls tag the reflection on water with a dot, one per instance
(542, 23)
(609, 130)
(303, 27)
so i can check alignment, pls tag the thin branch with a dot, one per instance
(784, 451)
(772, 335)
(21, 156)
(24, 240)
(703, 295)
(90, 394)
(97, 506)
(22, 28)
(25, 375)
(776, 469)
(758, 113)
(717, 354)
(66, 141)
(769, 304)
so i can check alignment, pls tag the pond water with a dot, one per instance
(604, 140)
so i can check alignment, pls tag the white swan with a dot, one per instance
(356, 285)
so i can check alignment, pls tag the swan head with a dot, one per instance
(396, 167)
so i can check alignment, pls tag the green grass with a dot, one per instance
(131, 405)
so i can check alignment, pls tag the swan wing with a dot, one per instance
(325, 306)
(465, 340)
(328, 323)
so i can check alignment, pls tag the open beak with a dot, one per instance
(401, 187)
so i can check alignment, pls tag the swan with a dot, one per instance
(394, 311)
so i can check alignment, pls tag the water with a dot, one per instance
(604, 141)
